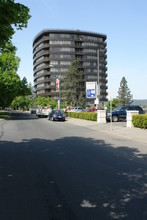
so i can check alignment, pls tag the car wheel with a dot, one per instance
(115, 118)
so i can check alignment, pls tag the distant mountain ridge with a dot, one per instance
(142, 102)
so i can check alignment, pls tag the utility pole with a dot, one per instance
(58, 89)
(58, 86)
(59, 104)
(98, 79)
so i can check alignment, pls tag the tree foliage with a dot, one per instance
(115, 103)
(24, 88)
(9, 80)
(124, 93)
(26, 102)
(10, 83)
(12, 15)
(73, 85)
(22, 102)
(46, 101)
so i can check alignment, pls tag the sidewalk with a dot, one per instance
(116, 128)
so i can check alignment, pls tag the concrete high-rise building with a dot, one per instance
(54, 51)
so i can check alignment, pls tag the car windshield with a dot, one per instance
(119, 108)
(57, 111)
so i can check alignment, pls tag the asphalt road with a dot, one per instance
(61, 171)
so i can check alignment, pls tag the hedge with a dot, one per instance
(140, 121)
(92, 116)
(4, 114)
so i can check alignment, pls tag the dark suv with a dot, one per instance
(121, 111)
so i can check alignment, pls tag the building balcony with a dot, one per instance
(45, 73)
(43, 39)
(42, 81)
(41, 61)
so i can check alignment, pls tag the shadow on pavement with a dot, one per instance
(14, 115)
(71, 178)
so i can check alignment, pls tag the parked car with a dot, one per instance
(56, 115)
(77, 109)
(120, 112)
(43, 111)
(32, 111)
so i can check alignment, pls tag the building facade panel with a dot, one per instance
(54, 51)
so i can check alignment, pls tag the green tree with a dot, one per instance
(124, 93)
(115, 103)
(81, 100)
(22, 102)
(73, 85)
(12, 16)
(10, 83)
(46, 101)
(9, 79)
(15, 103)
(24, 88)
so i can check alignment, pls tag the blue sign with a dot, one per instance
(90, 90)
(90, 93)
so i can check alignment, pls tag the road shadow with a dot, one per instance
(71, 178)
(20, 115)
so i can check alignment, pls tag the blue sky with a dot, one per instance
(123, 21)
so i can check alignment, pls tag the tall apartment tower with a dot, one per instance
(54, 51)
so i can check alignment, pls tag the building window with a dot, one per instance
(92, 64)
(62, 56)
(89, 44)
(54, 62)
(54, 42)
(58, 70)
(90, 51)
(60, 49)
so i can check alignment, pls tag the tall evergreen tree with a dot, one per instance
(73, 85)
(24, 88)
(124, 93)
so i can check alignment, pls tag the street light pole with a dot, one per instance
(59, 92)
(35, 99)
(58, 81)
(98, 77)
(58, 88)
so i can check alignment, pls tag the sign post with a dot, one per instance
(110, 95)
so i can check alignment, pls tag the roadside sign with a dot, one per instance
(96, 101)
(57, 84)
(90, 90)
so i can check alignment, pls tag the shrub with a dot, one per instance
(140, 121)
(4, 114)
(92, 116)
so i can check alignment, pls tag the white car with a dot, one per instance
(43, 111)
(77, 109)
